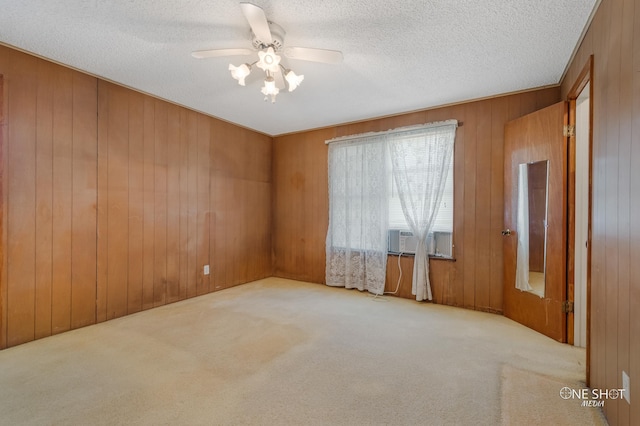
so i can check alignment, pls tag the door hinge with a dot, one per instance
(568, 131)
(567, 307)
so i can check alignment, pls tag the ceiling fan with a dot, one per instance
(268, 41)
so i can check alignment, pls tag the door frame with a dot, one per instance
(3, 301)
(585, 76)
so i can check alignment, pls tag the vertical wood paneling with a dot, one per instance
(118, 202)
(248, 239)
(319, 212)
(232, 200)
(136, 201)
(610, 57)
(192, 202)
(239, 268)
(171, 163)
(148, 233)
(175, 291)
(203, 213)
(183, 205)
(399, 275)
(21, 185)
(470, 184)
(234, 231)
(614, 40)
(160, 205)
(44, 199)
(220, 222)
(83, 215)
(301, 204)
(214, 237)
(51, 154)
(113, 198)
(102, 265)
(484, 206)
(612, 200)
(625, 105)
(240, 221)
(62, 201)
(283, 150)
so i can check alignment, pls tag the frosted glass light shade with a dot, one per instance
(270, 89)
(293, 80)
(240, 73)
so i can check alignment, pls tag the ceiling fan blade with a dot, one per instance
(213, 53)
(315, 55)
(258, 22)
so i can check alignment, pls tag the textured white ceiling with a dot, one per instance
(398, 55)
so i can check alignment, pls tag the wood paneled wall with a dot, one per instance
(113, 201)
(614, 40)
(49, 195)
(474, 280)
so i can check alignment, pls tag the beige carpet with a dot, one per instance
(280, 352)
(533, 396)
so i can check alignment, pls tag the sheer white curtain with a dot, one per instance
(522, 230)
(356, 245)
(420, 160)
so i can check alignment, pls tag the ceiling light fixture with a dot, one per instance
(267, 38)
(240, 73)
(269, 62)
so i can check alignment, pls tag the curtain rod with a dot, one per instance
(397, 130)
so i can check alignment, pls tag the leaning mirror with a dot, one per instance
(532, 226)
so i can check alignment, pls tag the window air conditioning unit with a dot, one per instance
(402, 242)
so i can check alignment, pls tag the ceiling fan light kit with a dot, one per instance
(293, 79)
(268, 40)
(270, 89)
(240, 73)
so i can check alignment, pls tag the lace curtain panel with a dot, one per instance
(420, 160)
(356, 245)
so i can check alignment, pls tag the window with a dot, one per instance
(444, 220)
(354, 171)
(441, 237)
(361, 200)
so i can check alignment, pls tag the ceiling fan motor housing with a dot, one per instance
(277, 38)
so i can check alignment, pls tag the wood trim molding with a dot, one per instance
(583, 78)
(3, 324)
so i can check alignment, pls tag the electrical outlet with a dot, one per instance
(626, 386)
(206, 269)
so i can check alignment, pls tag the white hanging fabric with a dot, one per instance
(522, 230)
(420, 160)
(356, 244)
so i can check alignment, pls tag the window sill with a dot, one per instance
(431, 256)
(438, 257)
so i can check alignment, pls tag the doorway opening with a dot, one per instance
(580, 99)
(581, 239)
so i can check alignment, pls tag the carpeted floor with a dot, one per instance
(281, 352)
